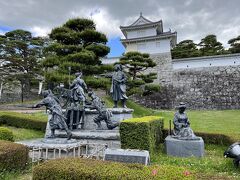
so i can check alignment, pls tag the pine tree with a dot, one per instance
(185, 49)
(234, 45)
(76, 45)
(209, 46)
(20, 55)
(135, 64)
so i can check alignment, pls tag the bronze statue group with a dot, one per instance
(73, 117)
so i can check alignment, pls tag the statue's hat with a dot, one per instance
(78, 73)
(181, 105)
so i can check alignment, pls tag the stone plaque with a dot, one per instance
(127, 156)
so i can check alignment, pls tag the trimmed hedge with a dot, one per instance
(209, 138)
(6, 134)
(77, 168)
(12, 156)
(143, 133)
(20, 120)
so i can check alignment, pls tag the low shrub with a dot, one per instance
(143, 133)
(19, 120)
(76, 168)
(209, 138)
(6, 134)
(12, 156)
(152, 87)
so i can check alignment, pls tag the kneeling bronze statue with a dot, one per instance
(103, 113)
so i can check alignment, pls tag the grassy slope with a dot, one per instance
(138, 109)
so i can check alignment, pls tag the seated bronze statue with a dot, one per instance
(181, 123)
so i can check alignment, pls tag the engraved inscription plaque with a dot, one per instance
(127, 156)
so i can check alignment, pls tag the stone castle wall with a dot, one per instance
(216, 87)
(208, 88)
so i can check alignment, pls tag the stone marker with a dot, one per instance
(127, 156)
(184, 148)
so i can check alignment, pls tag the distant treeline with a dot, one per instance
(209, 46)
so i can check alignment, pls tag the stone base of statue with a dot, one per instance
(85, 142)
(184, 148)
(91, 134)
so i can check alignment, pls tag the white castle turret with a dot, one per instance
(148, 37)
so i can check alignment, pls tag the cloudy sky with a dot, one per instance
(192, 19)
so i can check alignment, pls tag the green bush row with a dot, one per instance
(77, 168)
(19, 120)
(209, 138)
(143, 133)
(12, 156)
(6, 134)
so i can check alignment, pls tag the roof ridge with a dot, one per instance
(141, 16)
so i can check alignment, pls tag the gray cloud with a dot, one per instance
(192, 19)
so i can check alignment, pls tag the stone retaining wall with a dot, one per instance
(216, 87)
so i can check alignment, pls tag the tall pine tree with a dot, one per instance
(209, 46)
(20, 55)
(76, 45)
(185, 49)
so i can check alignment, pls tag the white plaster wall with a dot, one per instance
(207, 62)
(154, 47)
(110, 60)
(141, 33)
(131, 47)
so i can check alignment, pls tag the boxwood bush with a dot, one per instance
(209, 138)
(76, 168)
(6, 134)
(20, 120)
(143, 133)
(12, 156)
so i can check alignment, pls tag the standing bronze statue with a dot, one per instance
(75, 112)
(57, 120)
(118, 87)
(181, 123)
(103, 113)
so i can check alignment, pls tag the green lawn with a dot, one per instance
(213, 164)
(22, 134)
(224, 122)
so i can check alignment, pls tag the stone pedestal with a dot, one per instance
(184, 148)
(119, 114)
(87, 141)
